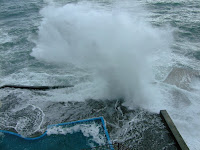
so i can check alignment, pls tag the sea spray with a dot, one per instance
(112, 43)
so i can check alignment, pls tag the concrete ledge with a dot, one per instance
(172, 128)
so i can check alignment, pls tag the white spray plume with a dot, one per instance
(113, 43)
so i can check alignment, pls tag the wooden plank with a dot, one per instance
(178, 138)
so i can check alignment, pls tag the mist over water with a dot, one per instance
(115, 45)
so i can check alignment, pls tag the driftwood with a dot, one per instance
(34, 87)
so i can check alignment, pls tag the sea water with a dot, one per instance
(126, 60)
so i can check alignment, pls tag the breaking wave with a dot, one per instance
(112, 44)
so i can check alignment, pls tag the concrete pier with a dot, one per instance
(172, 128)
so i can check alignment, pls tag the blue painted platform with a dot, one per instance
(83, 134)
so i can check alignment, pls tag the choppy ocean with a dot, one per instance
(127, 60)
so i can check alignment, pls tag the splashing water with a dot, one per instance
(112, 43)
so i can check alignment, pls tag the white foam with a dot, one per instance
(88, 130)
(4, 37)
